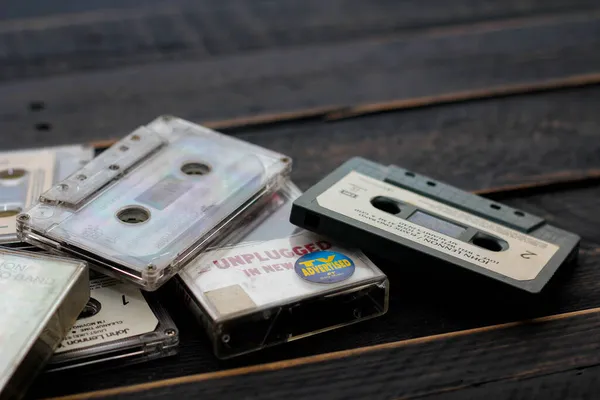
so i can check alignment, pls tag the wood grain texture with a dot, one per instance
(420, 306)
(107, 104)
(434, 367)
(63, 37)
(471, 145)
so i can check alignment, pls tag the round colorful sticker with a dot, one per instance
(324, 267)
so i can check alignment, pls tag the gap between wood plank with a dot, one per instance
(318, 358)
(340, 112)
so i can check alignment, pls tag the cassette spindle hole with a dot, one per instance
(11, 174)
(386, 204)
(488, 242)
(195, 169)
(92, 308)
(133, 215)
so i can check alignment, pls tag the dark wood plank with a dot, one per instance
(471, 145)
(41, 39)
(420, 306)
(108, 104)
(435, 365)
(575, 384)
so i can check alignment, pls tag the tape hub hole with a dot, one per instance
(386, 204)
(195, 169)
(92, 308)
(12, 174)
(487, 243)
(133, 215)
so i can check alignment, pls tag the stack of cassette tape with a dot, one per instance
(85, 242)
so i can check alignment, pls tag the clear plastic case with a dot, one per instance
(41, 298)
(25, 174)
(149, 204)
(119, 323)
(279, 283)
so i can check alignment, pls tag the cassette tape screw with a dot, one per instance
(63, 187)
(114, 167)
(357, 313)
(170, 332)
(23, 217)
(225, 338)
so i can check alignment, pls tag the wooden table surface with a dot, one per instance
(499, 97)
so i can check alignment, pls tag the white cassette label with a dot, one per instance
(351, 196)
(30, 290)
(23, 177)
(115, 311)
(243, 277)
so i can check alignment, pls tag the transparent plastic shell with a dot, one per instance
(120, 323)
(249, 294)
(146, 206)
(25, 174)
(41, 299)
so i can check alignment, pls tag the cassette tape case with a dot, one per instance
(25, 174)
(41, 299)
(400, 215)
(270, 289)
(150, 203)
(119, 323)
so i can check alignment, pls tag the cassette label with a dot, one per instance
(256, 274)
(115, 311)
(528, 255)
(22, 178)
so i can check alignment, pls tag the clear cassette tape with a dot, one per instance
(149, 204)
(279, 283)
(119, 323)
(25, 174)
(41, 298)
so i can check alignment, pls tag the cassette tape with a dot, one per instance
(41, 299)
(396, 213)
(25, 174)
(279, 284)
(119, 323)
(149, 204)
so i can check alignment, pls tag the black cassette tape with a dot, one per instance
(395, 213)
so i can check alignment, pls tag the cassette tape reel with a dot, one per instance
(25, 174)
(146, 206)
(398, 214)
